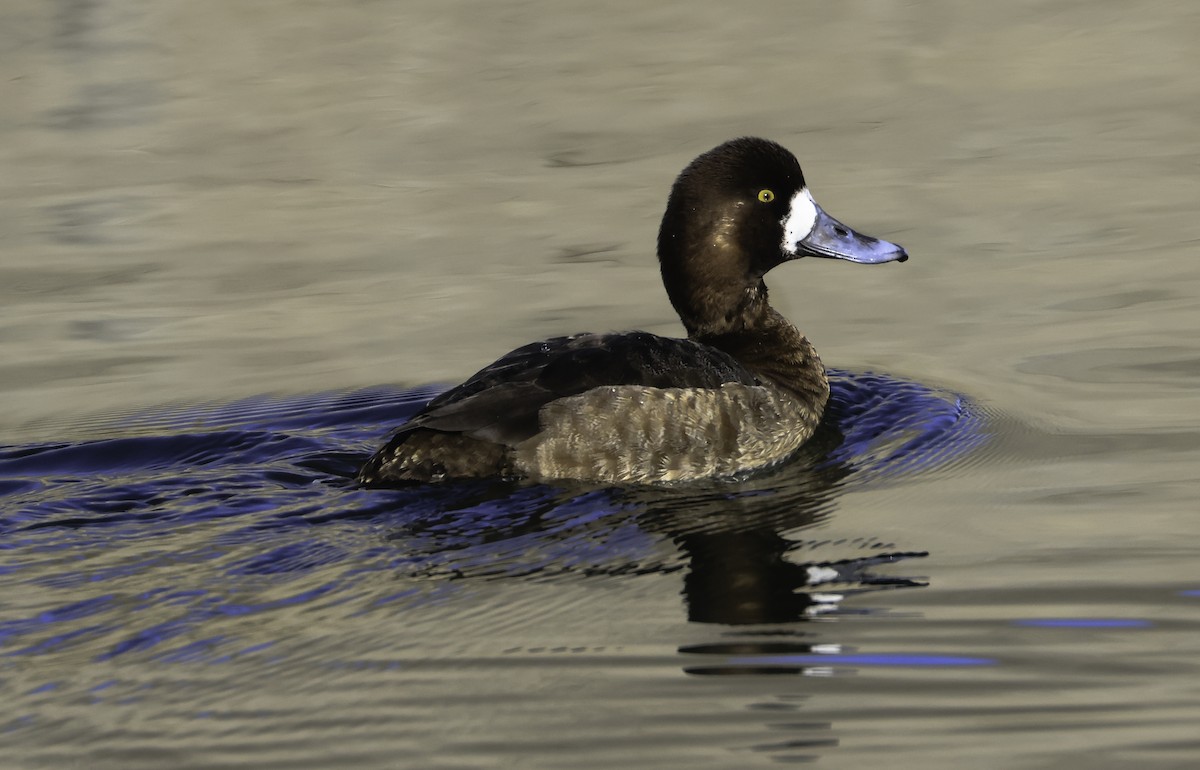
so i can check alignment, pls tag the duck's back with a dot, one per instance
(613, 407)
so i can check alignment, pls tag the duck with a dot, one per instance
(742, 392)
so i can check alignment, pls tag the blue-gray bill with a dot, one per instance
(834, 240)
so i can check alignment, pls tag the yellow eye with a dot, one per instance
(766, 196)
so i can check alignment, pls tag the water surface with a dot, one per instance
(241, 239)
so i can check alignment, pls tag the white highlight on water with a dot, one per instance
(819, 574)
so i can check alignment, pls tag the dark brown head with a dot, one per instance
(734, 213)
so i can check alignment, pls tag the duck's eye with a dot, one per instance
(766, 196)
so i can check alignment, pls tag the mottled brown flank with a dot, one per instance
(640, 434)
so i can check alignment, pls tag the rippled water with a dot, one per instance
(233, 539)
(229, 229)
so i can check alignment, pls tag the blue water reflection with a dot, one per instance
(1084, 623)
(154, 541)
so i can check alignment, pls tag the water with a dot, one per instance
(240, 240)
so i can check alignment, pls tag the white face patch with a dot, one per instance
(800, 219)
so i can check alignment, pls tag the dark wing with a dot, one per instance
(500, 403)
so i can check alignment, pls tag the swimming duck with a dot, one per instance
(743, 391)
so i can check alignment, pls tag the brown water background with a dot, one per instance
(202, 201)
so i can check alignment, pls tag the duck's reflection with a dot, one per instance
(753, 567)
(757, 577)
(742, 578)
(748, 558)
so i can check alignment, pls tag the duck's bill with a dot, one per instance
(831, 239)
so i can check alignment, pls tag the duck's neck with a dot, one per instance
(767, 344)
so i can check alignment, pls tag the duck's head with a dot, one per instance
(736, 212)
